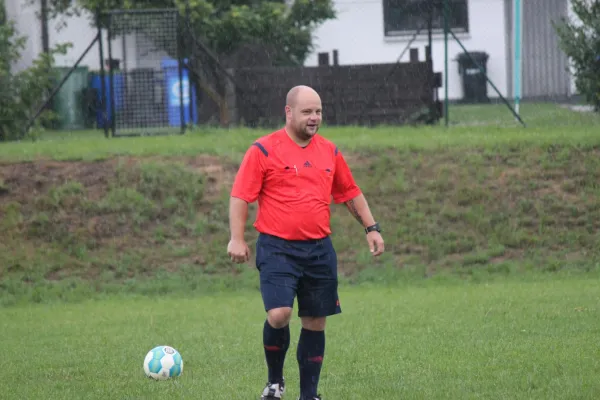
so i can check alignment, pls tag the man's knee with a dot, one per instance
(279, 317)
(314, 323)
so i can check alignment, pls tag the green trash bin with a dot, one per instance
(69, 101)
(473, 79)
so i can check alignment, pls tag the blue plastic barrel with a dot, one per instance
(171, 70)
(118, 91)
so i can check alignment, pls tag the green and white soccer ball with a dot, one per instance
(163, 362)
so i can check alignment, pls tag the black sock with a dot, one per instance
(276, 342)
(311, 349)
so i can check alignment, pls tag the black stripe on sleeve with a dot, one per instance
(262, 148)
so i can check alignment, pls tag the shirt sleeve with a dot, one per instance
(249, 178)
(344, 187)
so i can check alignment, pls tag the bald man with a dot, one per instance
(294, 173)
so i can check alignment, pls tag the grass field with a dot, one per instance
(510, 340)
(489, 288)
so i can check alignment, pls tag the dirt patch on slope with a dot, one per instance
(22, 182)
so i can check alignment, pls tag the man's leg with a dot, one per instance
(278, 283)
(317, 299)
(310, 353)
(276, 340)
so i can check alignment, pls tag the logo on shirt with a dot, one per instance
(307, 164)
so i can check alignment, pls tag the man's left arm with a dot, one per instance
(359, 208)
(345, 190)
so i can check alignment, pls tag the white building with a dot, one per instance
(377, 31)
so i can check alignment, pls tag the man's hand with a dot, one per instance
(237, 248)
(375, 243)
(238, 251)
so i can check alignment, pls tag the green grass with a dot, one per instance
(487, 125)
(506, 340)
(489, 288)
(149, 215)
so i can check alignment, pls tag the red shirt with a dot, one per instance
(294, 185)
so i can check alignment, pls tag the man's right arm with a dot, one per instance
(246, 187)
(238, 215)
(237, 249)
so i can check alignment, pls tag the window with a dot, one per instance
(403, 17)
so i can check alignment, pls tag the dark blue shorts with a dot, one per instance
(303, 269)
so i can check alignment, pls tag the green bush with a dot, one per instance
(580, 40)
(22, 91)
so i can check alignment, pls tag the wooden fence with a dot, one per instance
(351, 95)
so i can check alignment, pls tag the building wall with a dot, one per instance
(573, 17)
(545, 65)
(358, 35)
(545, 68)
(76, 30)
(27, 24)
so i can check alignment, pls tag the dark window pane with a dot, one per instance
(411, 15)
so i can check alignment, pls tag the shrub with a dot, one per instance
(21, 91)
(580, 40)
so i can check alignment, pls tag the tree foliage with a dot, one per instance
(22, 91)
(225, 25)
(580, 40)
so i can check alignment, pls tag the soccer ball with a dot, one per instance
(163, 362)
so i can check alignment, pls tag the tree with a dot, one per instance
(21, 91)
(224, 25)
(281, 28)
(580, 40)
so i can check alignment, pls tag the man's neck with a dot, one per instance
(294, 137)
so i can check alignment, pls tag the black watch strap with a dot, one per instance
(372, 228)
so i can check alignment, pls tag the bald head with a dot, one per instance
(303, 113)
(300, 92)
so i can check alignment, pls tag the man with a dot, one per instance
(294, 173)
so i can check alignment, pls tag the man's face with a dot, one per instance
(305, 115)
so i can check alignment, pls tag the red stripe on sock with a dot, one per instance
(317, 359)
(272, 348)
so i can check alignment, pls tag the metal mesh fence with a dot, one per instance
(213, 77)
(150, 91)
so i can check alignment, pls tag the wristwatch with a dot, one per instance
(374, 227)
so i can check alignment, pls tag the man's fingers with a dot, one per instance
(372, 244)
(239, 258)
(379, 246)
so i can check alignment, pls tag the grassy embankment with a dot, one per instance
(88, 216)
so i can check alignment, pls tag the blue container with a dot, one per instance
(118, 91)
(171, 70)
